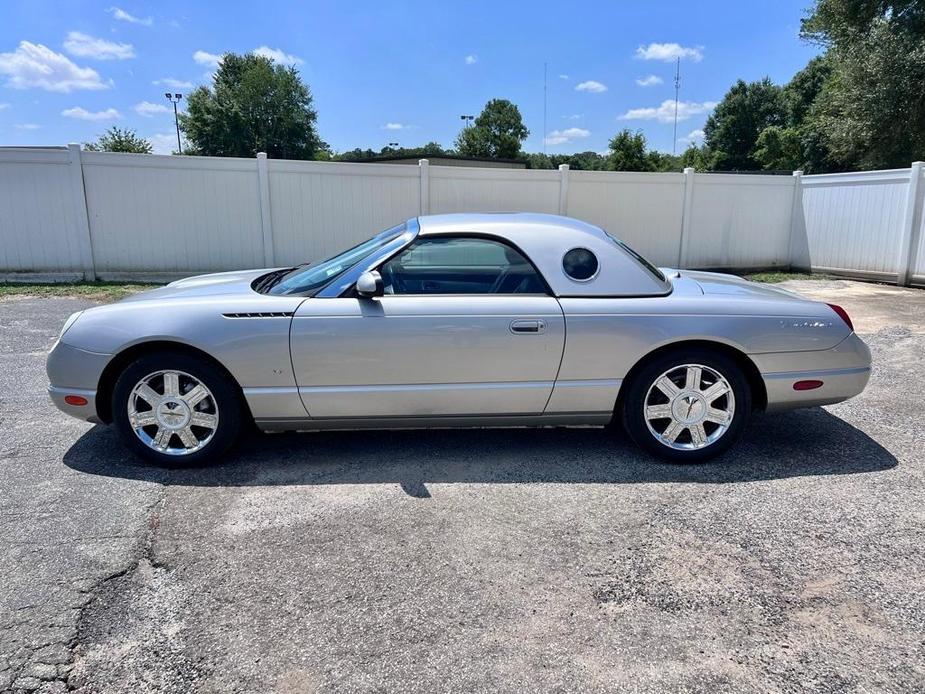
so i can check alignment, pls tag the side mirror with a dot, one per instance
(369, 284)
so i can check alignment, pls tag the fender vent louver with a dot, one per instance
(262, 314)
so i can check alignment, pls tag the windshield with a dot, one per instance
(311, 278)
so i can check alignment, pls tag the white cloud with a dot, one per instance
(278, 56)
(574, 116)
(147, 109)
(3, 107)
(173, 83)
(664, 113)
(649, 80)
(83, 114)
(559, 137)
(563, 77)
(86, 46)
(123, 16)
(398, 126)
(693, 137)
(591, 86)
(669, 52)
(27, 126)
(33, 65)
(204, 58)
(472, 59)
(163, 143)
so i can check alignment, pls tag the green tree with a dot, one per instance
(801, 92)
(628, 152)
(497, 133)
(842, 21)
(252, 106)
(696, 157)
(118, 140)
(732, 130)
(870, 112)
(779, 148)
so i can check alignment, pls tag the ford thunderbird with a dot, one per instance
(461, 320)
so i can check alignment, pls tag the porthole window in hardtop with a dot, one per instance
(580, 264)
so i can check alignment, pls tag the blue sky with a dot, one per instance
(394, 72)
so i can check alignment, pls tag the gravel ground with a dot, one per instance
(513, 560)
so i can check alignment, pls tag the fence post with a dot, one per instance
(912, 223)
(79, 199)
(563, 188)
(686, 212)
(424, 168)
(266, 219)
(796, 209)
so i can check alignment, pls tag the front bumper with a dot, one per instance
(844, 371)
(73, 371)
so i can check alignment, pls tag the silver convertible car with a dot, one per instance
(457, 320)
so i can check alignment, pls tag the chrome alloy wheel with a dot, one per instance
(172, 412)
(689, 407)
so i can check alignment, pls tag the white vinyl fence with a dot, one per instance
(67, 213)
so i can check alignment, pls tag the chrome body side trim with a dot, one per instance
(446, 422)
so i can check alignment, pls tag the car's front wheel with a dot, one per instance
(174, 409)
(687, 406)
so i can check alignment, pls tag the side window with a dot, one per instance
(460, 265)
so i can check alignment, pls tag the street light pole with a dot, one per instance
(175, 99)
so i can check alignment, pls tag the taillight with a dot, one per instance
(843, 314)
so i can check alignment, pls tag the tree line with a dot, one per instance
(859, 105)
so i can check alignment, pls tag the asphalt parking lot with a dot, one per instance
(511, 560)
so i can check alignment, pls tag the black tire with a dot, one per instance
(224, 393)
(637, 391)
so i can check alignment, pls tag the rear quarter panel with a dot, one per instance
(606, 337)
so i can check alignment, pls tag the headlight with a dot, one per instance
(69, 322)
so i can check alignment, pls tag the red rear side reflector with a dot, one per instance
(77, 400)
(807, 385)
(843, 314)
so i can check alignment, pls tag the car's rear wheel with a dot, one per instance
(176, 410)
(687, 405)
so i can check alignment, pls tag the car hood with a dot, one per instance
(217, 284)
(731, 285)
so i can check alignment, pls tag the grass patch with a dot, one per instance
(775, 277)
(97, 291)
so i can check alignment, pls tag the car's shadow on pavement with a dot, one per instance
(793, 444)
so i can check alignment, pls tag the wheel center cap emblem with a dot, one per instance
(173, 414)
(688, 408)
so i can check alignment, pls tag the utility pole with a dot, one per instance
(175, 99)
(467, 120)
(677, 89)
(544, 108)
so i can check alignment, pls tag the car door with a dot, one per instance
(466, 327)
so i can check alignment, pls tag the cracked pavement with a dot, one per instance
(511, 560)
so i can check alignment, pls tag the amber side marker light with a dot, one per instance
(843, 314)
(77, 400)
(807, 385)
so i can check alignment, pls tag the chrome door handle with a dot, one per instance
(528, 327)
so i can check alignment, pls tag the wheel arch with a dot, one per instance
(121, 360)
(749, 369)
